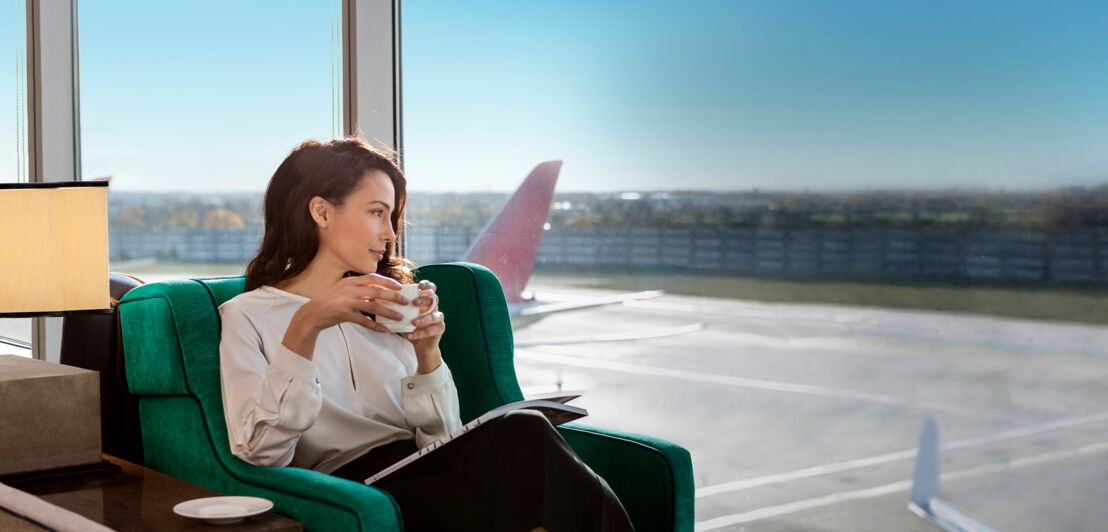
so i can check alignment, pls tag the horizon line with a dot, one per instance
(746, 190)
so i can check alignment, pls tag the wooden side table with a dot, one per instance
(138, 498)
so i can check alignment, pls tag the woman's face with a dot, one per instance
(362, 227)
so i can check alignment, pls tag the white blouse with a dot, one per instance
(358, 392)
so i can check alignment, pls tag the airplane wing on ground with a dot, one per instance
(540, 309)
(616, 337)
(524, 314)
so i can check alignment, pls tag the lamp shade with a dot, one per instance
(54, 238)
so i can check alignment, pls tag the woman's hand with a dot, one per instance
(429, 329)
(345, 300)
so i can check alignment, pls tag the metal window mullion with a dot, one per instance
(53, 119)
(372, 85)
(398, 80)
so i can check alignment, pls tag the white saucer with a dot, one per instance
(223, 510)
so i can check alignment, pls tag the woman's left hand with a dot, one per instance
(429, 328)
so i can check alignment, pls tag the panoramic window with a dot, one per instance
(860, 215)
(188, 109)
(14, 332)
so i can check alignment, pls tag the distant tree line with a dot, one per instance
(211, 211)
(1052, 211)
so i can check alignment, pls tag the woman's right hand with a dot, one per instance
(344, 301)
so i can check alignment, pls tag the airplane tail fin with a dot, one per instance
(925, 481)
(510, 242)
(925, 501)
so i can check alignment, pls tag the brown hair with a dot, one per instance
(330, 170)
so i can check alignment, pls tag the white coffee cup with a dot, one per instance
(409, 311)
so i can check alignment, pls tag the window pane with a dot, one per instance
(862, 214)
(13, 136)
(189, 118)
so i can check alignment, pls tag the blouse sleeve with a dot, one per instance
(268, 401)
(431, 404)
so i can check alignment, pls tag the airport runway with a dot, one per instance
(806, 417)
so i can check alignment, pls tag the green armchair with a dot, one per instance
(171, 333)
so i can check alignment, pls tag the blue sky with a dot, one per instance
(10, 14)
(820, 95)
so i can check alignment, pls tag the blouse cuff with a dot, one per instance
(295, 365)
(426, 383)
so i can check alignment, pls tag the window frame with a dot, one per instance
(371, 96)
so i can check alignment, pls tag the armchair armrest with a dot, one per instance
(478, 343)
(320, 501)
(176, 444)
(651, 476)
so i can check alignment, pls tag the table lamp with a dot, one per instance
(54, 238)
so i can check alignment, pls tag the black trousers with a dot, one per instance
(512, 474)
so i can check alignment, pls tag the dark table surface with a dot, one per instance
(138, 498)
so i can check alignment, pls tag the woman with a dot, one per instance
(311, 380)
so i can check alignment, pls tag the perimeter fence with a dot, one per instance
(999, 256)
(1075, 257)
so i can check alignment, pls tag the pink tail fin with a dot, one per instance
(509, 244)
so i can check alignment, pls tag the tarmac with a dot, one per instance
(807, 417)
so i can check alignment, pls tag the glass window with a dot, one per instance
(862, 214)
(188, 109)
(15, 333)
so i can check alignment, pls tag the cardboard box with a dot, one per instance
(49, 415)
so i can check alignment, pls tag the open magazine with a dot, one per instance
(552, 406)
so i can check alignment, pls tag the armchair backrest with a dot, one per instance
(174, 348)
(171, 332)
(478, 344)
